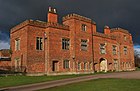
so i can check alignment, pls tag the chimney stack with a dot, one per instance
(52, 15)
(106, 30)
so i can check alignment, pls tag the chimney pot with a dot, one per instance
(106, 30)
(52, 16)
(49, 9)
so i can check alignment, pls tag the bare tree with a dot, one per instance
(137, 58)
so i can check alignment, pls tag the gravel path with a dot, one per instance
(44, 85)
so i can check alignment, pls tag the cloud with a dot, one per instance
(114, 13)
(137, 48)
(4, 45)
(4, 36)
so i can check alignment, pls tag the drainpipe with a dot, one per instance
(119, 56)
(74, 47)
(45, 51)
(92, 48)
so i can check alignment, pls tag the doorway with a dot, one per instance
(55, 66)
(103, 65)
(17, 65)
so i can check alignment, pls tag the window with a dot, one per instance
(39, 43)
(66, 64)
(116, 64)
(125, 50)
(79, 66)
(114, 49)
(102, 49)
(125, 38)
(90, 65)
(83, 44)
(17, 44)
(85, 65)
(84, 27)
(126, 64)
(65, 44)
(129, 64)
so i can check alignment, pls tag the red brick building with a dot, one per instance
(5, 60)
(69, 48)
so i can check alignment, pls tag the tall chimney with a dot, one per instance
(106, 30)
(52, 15)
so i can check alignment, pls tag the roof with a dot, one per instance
(78, 17)
(39, 23)
(104, 35)
(119, 30)
(5, 53)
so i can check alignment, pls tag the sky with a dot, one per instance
(114, 13)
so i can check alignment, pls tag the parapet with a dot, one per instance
(41, 24)
(104, 36)
(57, 25)
(78, 17)
(28, 22)
(119, 30)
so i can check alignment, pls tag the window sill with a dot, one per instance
(39, 50)
(83, 50)
(65, 50)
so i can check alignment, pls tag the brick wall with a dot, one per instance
(42, 61)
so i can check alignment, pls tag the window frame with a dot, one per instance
(66, 64)
(114, 49)
(85, 66)
(17, 44)
(102, 48)
(125, 49)
(84, 44)
(125, 38)
(65, 43)
(90, 65)
(79, 66)
(39, 43)
(84, 27)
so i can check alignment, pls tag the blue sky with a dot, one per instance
(137, 47)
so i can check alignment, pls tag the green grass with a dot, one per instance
(138, 68)
(22, 80)
(101, 85)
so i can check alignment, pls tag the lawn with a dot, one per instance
(138, 68)
(101, 85)
(22, 80)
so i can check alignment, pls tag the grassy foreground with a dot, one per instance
(101, 85)
(22, 80)
(138, 68)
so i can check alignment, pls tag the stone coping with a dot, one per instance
(41, 24)
(104, 35)
(78, 17)
(119, 30)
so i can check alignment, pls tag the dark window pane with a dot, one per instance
(39, 43)
(65, 44)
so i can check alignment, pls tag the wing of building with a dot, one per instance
(72, 47)
(5, 59)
